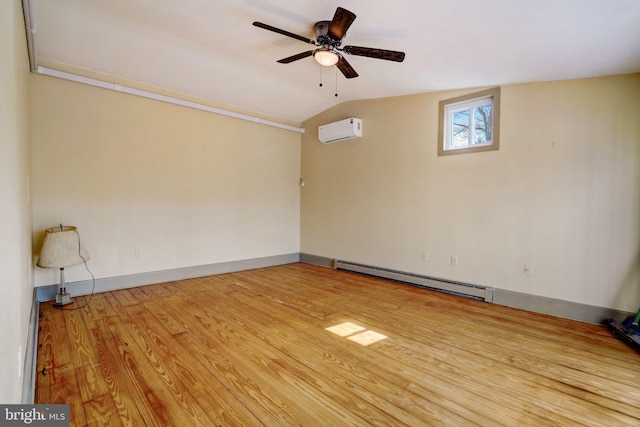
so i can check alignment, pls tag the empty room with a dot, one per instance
(411, 213)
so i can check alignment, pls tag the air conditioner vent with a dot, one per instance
(340, 131)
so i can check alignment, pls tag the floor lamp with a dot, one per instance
(61, 248)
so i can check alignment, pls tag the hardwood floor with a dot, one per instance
(251, 348)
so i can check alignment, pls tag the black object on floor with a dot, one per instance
(628, 334)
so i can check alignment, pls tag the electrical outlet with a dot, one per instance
(425, 256)
(528, 270)
(136, 254)
(454, 259)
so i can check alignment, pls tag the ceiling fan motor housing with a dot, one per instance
(321, 28)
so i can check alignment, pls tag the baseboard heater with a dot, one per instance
(477, 292)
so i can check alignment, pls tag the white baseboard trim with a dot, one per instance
(31, 355)
(318, 260)
(106, 284)
(555, 307)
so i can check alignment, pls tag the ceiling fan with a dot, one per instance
(329, 35)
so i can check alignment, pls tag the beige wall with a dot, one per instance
(16, 283)
(177, 186)
(562, 194)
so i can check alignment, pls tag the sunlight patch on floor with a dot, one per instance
(356, 333)
(345, 329)
(367, 337)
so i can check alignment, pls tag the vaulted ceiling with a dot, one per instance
(210, 49)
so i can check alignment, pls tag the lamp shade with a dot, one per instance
(61, 248)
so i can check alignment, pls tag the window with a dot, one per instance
(469, 123)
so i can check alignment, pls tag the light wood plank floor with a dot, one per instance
(251, 348)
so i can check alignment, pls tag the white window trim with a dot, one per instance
(466, 102)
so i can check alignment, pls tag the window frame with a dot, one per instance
(461, 103)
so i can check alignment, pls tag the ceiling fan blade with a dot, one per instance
(346, 68)
(340, 23)
(284, 32)
(296, 57)
(389, 55)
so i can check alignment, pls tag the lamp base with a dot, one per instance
(63, 298)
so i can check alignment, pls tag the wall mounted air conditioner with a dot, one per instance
(339, 131)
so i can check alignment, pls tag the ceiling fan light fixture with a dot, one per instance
(325, 57)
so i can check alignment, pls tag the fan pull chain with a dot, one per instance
(336, 82)
(320, 76)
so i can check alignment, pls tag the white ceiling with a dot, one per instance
(209, 49)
